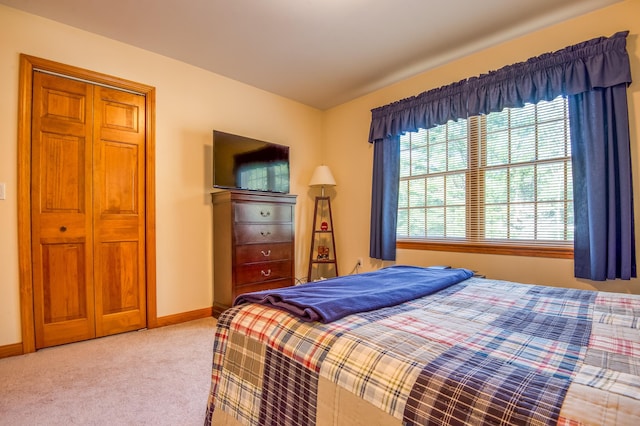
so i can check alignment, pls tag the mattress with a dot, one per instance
(477, 352)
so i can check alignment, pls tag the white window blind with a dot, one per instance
(497, 179)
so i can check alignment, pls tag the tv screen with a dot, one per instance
(244, 163)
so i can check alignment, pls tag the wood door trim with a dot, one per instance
(27, 66)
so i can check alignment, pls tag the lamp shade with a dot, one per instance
(322, 177)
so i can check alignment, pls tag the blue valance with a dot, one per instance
(597, 63)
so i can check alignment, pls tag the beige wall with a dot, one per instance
(350, 157)
(190, 104)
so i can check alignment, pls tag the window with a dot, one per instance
(493, 183)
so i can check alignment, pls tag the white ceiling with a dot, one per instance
(318, 52)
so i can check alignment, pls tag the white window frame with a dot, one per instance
(472, 239)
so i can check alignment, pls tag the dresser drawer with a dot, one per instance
(263, 252)
(269, 285)
(263, 212)
(263, 233)
(263, 271)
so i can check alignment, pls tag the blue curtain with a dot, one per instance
(576, 71)
(604, 241)
(384, 218)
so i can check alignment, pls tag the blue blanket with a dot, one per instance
(334, 298)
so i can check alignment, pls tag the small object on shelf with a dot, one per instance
(324, 226)
(323, 252)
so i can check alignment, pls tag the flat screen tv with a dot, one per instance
(244, 163)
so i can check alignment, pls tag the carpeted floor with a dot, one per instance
(148, 377)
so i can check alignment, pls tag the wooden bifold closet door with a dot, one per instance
(87, 210)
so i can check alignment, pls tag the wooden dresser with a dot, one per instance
(253, 244)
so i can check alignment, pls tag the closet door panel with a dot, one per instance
(118, 193)
(61, 237)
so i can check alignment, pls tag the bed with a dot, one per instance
(473, 351)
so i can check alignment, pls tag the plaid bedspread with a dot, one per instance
(480, 352)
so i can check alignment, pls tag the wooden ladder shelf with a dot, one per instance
(322, 256)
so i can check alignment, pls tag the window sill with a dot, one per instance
(485, 248)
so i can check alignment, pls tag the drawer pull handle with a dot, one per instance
(265, 234)
(63, 228)
(267, 254)
(266, 274)
(265, 214)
